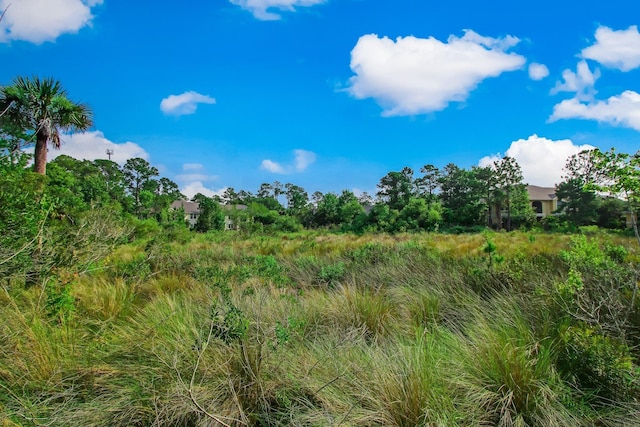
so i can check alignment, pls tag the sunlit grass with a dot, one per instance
(306, 328)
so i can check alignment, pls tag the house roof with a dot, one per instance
(541, 193)
(234, 207)
(189, 207)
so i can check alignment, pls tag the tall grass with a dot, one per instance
(321, 329)
(507, 376)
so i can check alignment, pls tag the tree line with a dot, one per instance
(597, 190)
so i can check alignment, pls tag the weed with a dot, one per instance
(599, 365)
(60, 303)
(331, 275)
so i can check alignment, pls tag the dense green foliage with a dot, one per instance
(114, 312)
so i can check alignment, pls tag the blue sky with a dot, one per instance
(334, 94)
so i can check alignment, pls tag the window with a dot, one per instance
(537, 206)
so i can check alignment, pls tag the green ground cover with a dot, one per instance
(319, 329)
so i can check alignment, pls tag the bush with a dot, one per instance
(331, 274)
(598, 365)
(287, 224)
(60, 303)
(145, 228)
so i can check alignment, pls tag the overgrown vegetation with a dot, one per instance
(114, 313)
(324, 329)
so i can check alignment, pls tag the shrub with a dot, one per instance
(145, 228)
(60, 304)
(331, 274)
(228, 322)
(267, 267)
(600, 366)
(368, 254)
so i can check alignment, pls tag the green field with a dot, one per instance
(318, 329)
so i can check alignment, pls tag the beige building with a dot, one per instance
(191, 210)
(231, 217)
(543, 200)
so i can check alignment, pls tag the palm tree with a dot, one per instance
(42, 108)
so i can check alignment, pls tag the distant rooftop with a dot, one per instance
(189, 207)
(541, 193)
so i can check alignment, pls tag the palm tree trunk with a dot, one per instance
(40, 155)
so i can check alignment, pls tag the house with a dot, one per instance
(543, 200)
(231, 217)
(192, 213)
(191, 210)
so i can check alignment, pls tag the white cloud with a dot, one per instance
(196, 187)
(94, 145)
(194, 180)
(416, 76)
(358, 192)
(192, 166)
(542, 160)
(302, 160)
(38, 21)
(615, 49)
(261, 8)
(581, 82)
(186, 103)
(620, 110)
(538, 71)
(272, 166)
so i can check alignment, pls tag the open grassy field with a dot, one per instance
(317, 329)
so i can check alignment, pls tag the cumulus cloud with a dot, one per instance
(94, 145)
(186, 103)
(542, 160)
(261, 9)
(38, 21)
(620, 110)
(196, 187)
(193, 181)
(302, 160)
(416, 76)
(538, 71)
(581, 82)
(615, 49)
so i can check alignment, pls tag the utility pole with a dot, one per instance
(109, 153)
